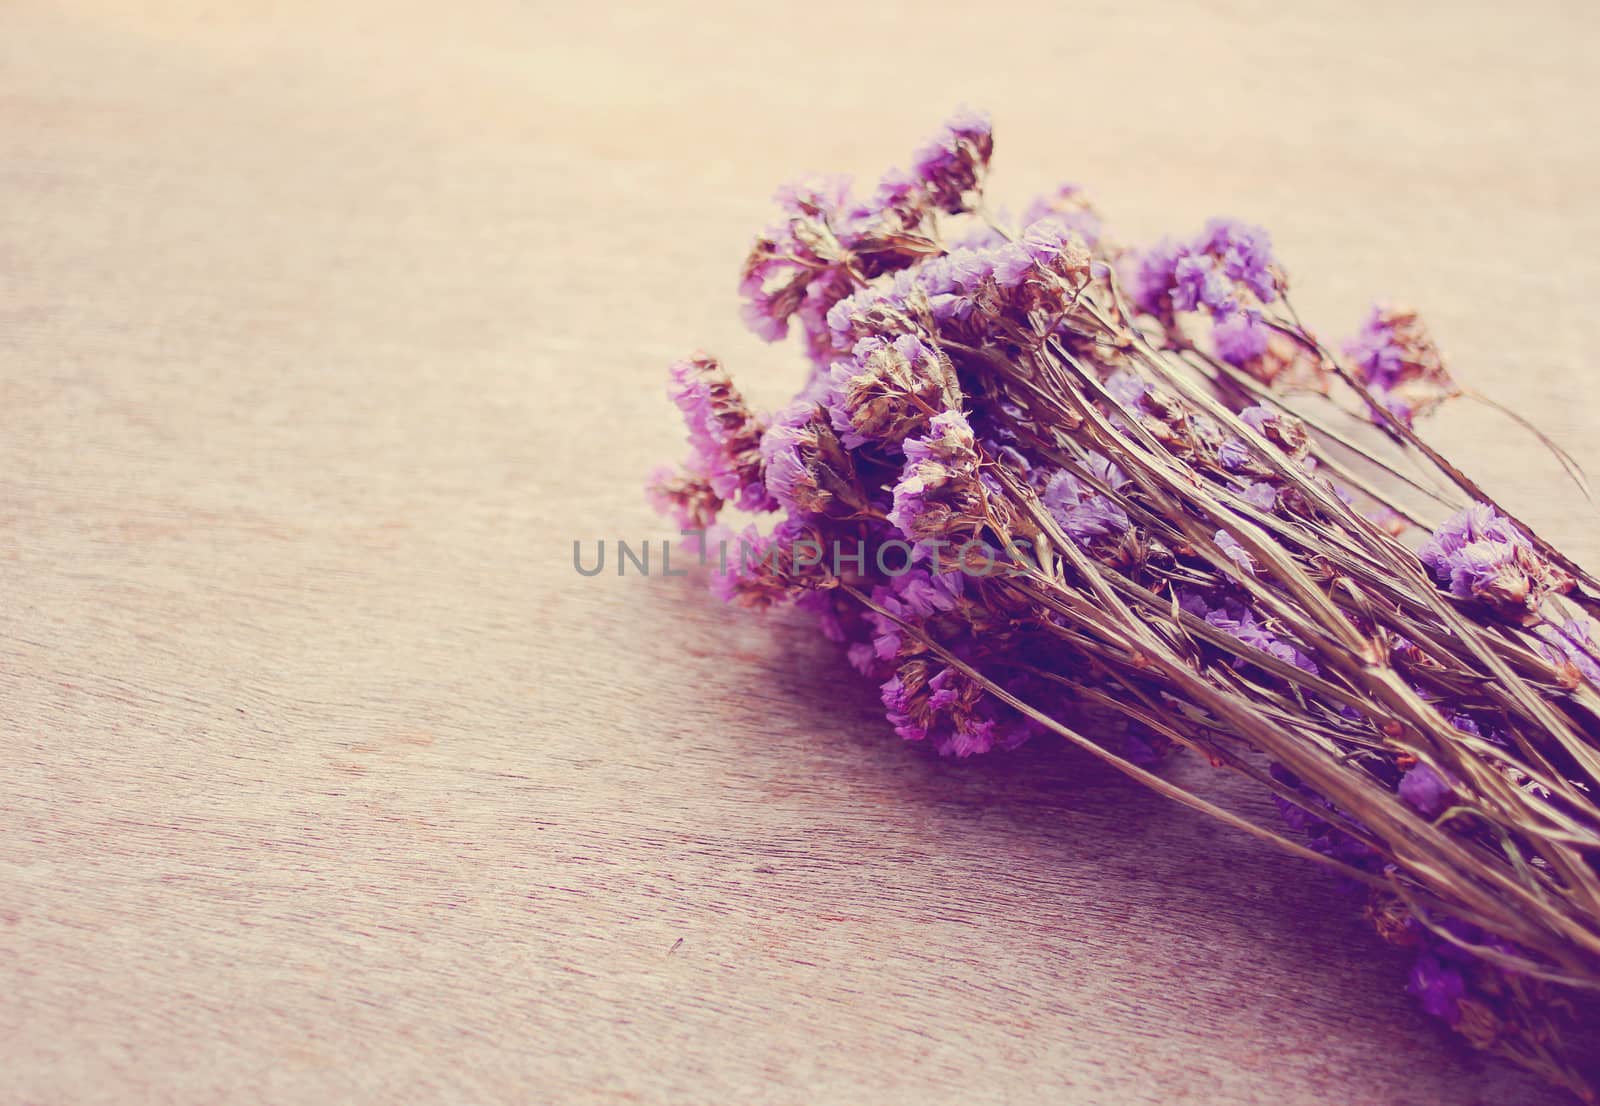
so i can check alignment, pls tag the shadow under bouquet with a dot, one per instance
(1039, 483)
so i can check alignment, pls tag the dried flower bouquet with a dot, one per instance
(1038, 483)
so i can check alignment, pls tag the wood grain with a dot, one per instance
(326, 329)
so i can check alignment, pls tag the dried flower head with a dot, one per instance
(1396, 359)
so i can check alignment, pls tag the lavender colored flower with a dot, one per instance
(1010, 264)
(892, 230)
(1235, 455)
(952, 165)
(1240, 621)
(1396, 359)
(1245, 254)
(925, 593)
(802, 247)
(1082, 512)
(733, 557)
(1043, 268)
(1129, 389)
(1206, 273)
(1467, 550)
(1258, 417)
(1235, 552)
(950, 711)
(949, 363)
(685, 497)
(896, 697)
(885, 392)
(1479, 554)
(1425, 790)
(1198, 282)
(1240, 337)
(758, 570)
(782, 451)
(1262, 495)
(1105, 470)
(806, 469)
(938, 485)
(1150, 275)
(724, 436)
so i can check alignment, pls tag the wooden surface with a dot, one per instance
(326, 328)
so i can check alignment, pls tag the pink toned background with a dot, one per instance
(325, 328)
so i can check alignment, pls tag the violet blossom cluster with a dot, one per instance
(1394, 357)
(1480, 555)
(928, 325)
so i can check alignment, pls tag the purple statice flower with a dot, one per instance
(1235, 552)
(765, 313)
(941, 462)
(1240, 336)
(951, 165)
(758, 570)
(1244, 253)
(1011, 263)
(1197, 281)
(898, 201)
(724, 436)
(1479, 554)
(968, 271)
(1261, 495)
(1426, 790)
(1396, 359)
(951, 692)
(806, 470)
(1036, 272)
(949, 438)
(950, 712)
(1129, 389)
(1572, 643)
(1240, 621)
(1235, 455)
(1377, 353)
(1082, 512)
(1205, 273)
(1044, 239)
(812, 314)
(684, 496)
(885, 391)
(1258, 417)
(1105, 470)
(801, 247)
(892, 230)
(897, 191)
(896, 697)
(733, 557)
(914, 597)
(1438, 986)
(1150, 274)
(782, 446)
(924, 593)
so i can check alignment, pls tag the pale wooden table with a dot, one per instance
(324, 330)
